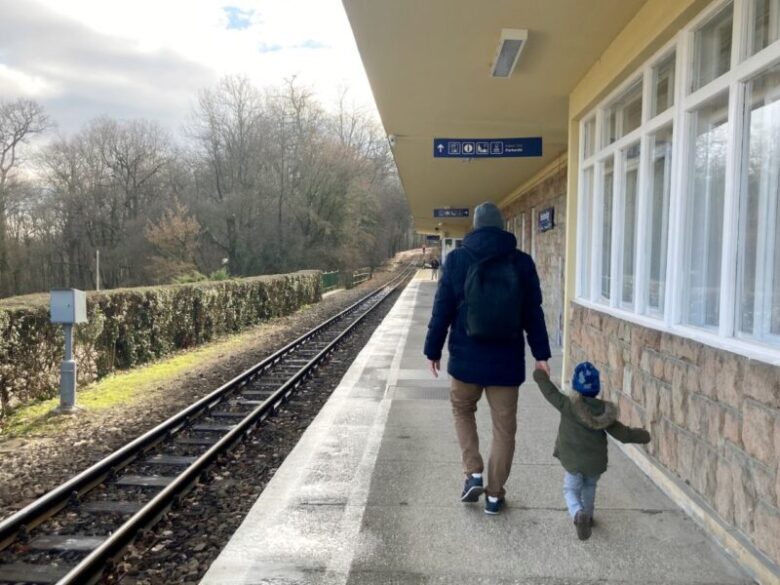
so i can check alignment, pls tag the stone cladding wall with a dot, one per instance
(714, 415)
(550, 246)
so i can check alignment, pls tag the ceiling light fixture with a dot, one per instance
(510, 46)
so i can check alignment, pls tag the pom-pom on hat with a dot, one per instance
(586, 379)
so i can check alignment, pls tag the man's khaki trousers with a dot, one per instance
(503, 411)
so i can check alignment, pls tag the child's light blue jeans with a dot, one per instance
(579, 491)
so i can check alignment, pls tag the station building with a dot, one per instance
(658, 191)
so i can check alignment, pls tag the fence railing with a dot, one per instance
(330, 280)
(361, 275)
(347, 279)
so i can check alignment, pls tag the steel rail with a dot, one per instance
(20, 523)
(91, 568)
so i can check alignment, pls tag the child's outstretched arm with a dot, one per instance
(550, 390)
(626, 434)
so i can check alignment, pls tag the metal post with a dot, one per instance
(68, 373)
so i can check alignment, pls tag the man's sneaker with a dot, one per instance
(493, 507)
(472, 489)
(583, 523)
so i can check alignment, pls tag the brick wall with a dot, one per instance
(550, 246)
(714, 415)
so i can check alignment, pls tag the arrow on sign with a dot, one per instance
(440, 148)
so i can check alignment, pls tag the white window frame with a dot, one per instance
(678, 117)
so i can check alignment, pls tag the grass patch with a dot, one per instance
(120, 389)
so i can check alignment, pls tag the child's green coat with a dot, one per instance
(581, 445)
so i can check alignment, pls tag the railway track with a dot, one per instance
(73, 534)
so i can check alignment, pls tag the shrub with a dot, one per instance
(128, 327)
(221, 274)
(189, 277)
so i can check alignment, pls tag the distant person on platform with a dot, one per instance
(435, 268)
(488, 296)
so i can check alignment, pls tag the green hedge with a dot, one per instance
(128, 327)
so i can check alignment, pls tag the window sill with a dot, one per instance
(750, 350)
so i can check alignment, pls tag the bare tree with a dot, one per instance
(108, 181)
(271, 180)
(229, 130)
(19, 120)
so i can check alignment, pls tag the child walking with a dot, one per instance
(581, 445)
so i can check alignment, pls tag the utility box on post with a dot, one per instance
(68, 307)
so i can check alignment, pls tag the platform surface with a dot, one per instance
(370, 495)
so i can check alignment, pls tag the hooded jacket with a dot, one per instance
(487, 363)
(581, 445)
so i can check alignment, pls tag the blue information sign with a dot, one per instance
(451, 212)
(486, 147)
(430, 238)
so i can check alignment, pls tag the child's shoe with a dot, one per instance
(582, 521)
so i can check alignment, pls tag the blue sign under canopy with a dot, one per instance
(486, 147)
(451, 212)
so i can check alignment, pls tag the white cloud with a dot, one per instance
(16, 82)
(127, 57)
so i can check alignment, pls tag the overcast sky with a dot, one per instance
(149, 58)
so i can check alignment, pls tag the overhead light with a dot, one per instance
(509, 48)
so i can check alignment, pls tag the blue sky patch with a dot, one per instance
(311, 44)
(266, 48)
(238, 19)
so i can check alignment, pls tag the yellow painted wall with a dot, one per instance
(655, 24)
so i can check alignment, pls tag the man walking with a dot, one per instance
(488, 296)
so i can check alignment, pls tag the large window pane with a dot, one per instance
(630, 196)
(623, 115)
(663, 85)
(712, 48)
(660, 189)
(704, 229)
(587, 232)
(764, 23)
(606, 228)
(758, 305)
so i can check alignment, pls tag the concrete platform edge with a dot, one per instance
(297, 462)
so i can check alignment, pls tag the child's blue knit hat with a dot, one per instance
(586, 379)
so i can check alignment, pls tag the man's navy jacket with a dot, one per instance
(487, 363)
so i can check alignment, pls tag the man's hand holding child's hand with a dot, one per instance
(544, 367)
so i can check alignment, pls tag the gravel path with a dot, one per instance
(32, 466)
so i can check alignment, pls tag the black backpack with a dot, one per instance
(493, 298)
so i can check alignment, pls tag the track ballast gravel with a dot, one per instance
(181, 548)
(31, 466)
